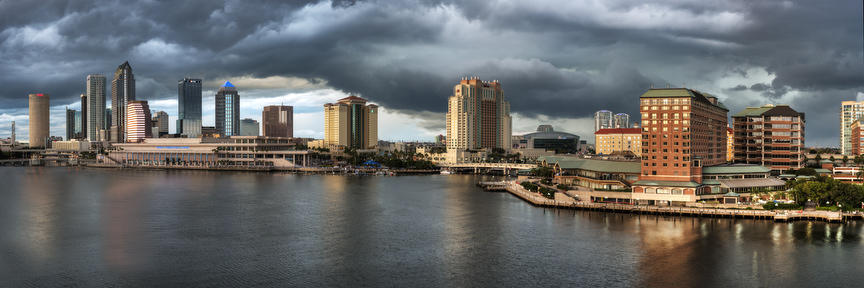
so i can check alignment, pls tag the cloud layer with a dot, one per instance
(557, 60)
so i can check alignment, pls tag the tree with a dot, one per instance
(845, 159)
(544, 171)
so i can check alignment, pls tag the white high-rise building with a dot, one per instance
(603, 120)
(621, 120)
(138, 123)
(478, 116)
(850, 111)
(95, 106)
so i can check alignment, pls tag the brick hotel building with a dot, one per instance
(683, 130)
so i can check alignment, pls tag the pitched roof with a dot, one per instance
(681, 92)
(619, 131)
(751, 182)
(735, 169)
(565, 162)
(768, 110)
(228, 84)
(352, 98)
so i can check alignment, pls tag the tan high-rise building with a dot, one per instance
(138, 123)
(351, 123)
(730, 148)
(771, 136)
(611, 140)
(278, 121)
(850, 111)
(39, 120)
(478, 116)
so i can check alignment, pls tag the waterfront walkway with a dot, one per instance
(564, 201)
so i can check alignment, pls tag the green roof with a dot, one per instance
(753, 111)
(667, 183)
(668, 92)
(820, 170)
(593, 164)
(735, 169)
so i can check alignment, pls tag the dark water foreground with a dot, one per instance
(96, 228)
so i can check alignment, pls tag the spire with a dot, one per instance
(228, 84)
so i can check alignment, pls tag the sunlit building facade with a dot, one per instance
(138, 122)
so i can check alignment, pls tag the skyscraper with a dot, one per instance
(248, 127)
(189, 107)
(122, 91)
(603, 120)
(350, 122)
(622, 120)
(95, 114)
(478, 116)
(70, 124)
(228, 110)
(39, 120)
(137, 121)
(850, 111)
(278, 121)
(83, 121)
(161, 119)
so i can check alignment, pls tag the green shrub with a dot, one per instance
(564, 187)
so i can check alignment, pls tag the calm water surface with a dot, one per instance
(107, 228)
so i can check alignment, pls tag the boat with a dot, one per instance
(446, 172)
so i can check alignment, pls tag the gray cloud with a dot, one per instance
(554, 58)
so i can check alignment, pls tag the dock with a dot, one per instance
(566, 202)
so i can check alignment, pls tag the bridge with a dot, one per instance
(506, 168)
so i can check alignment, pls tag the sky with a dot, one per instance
(558, 61)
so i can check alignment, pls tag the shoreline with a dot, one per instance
(563, 201)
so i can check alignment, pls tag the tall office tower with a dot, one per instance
(70, 124)
(478, 116)
(107, 121)
(350, 122)
(771, 136)
(122, 92)
(278, 121)
(850, 111)
(161, 125)
(622, 120)
(189, 107)
(137, 121)
(227, 110)
(682, 131)
(95, 114)
(603, 120)
(39, 120)
(82, 124)
(248, 127)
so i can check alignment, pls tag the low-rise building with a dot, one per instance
(70, 146)
(233, 151)
(610, 140)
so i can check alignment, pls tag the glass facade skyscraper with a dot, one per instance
(228, 110)
(189, 107)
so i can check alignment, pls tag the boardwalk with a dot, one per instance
(564, 201)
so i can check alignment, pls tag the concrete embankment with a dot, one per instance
(563, 201)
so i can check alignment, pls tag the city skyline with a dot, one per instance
(729, 51)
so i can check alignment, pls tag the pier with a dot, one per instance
(566, 202)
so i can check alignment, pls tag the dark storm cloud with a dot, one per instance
(554, 58)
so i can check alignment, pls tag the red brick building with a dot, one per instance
(856, 136)
(771, 136)
(682, 131)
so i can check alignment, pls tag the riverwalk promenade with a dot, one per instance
(564, 201)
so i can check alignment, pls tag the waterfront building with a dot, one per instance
(189, 107)
(39, 120)
(622, 120)
(603, 119)
(478, 117)
(122, 92)
(225, 152)
(611, 140)
(227, 110)
(547, 139)
(683, 130)
(161, 124)
(95, 113)
(70, 124)
(249, 127)
(71, 146)
(278, 121)
(137, 121)
(771, 135)
(351, 123)
(730, 147)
